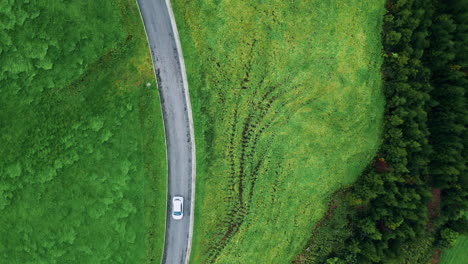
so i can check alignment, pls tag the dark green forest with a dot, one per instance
(410, 202)
(81, 134)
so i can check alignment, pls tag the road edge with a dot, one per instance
(191, 127)
(190, 118)
(164, 125)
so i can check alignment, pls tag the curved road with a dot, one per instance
(169, 69)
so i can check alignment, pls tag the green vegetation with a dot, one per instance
(458, 254)
(410, 202)
(82, 173)
(287, 107)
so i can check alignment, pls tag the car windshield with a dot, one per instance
(177, 213)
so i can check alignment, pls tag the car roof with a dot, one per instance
(178, 205)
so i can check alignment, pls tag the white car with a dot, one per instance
(177, 207)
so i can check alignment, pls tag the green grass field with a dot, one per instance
(82, 173)
(458, 254)
(287, 108)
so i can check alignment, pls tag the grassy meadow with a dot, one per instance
(82, 173)
(288, 107)
(458, 254)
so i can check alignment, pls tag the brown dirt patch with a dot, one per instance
(433, 207)
(436, 256)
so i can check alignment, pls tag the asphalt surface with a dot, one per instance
(170, 74)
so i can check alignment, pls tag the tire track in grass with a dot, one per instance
(240, 202)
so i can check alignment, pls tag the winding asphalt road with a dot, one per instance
(170, 73)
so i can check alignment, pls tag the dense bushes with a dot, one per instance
(448, 117)
(423, 142)
(72, 172)
(44, 47)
